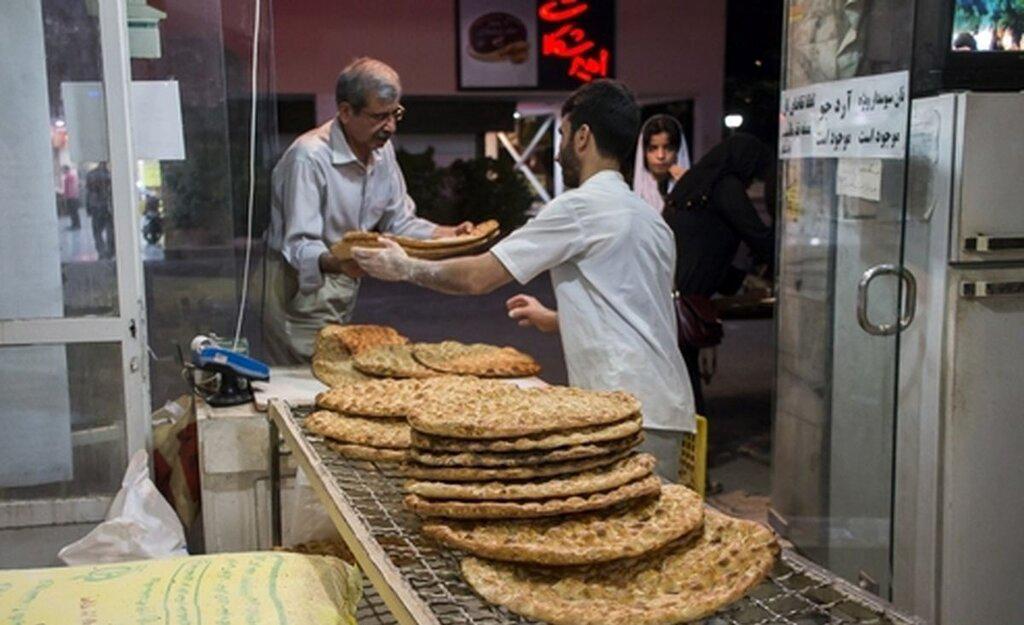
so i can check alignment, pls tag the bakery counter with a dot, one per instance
(415, 580)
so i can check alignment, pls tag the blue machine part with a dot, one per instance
(219, 357)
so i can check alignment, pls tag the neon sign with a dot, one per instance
(567, 34)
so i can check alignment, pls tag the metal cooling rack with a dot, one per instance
(413, 580)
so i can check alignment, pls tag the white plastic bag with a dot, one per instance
(309, 520)
(140, 524)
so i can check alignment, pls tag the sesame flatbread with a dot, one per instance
(390, 433)
(482, 235)
(477, 359)
(371, 454)
(645, 487)
(523, 458)
(391, 361)
(623, 471)
(682, 582)
(546, 440)
(480, 231)
(337, 372)
(522, 412)
(372, 398)
(626, 532)
(338, 340)
(478, 474)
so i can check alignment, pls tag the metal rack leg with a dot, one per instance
(275, 484)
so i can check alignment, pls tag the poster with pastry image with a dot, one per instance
(497, 44)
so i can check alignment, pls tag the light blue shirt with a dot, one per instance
(321, 191)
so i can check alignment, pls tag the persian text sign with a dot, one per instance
(861, 117)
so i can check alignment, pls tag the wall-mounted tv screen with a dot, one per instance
(988, 26)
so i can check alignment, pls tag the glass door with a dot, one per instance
(73, 364)
(840, 282)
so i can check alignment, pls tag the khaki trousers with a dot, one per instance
(292, 319)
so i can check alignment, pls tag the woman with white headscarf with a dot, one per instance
(661, 159)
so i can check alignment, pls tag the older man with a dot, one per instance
(611, 260)
(338, 177)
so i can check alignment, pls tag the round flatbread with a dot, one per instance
(483, 230)
(523, 458)
(479, 359)
(335, 339)
(627, 532)
(522, 412)
(390, 433)
(626, 470)
(546, 440)
(337, 372)
(392, 361)
(650, 485)
(372, 454)
(478, 474)
(683, 582)
(373, 398)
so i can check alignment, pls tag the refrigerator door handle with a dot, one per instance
(982, 288)
(994, 243)
(908, 306)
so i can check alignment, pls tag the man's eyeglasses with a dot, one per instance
(398, 113)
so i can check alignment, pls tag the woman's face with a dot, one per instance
(660, 155)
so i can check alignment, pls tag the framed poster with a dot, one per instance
(497, 44)
(552, 45)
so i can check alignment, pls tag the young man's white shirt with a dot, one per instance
(612, 261)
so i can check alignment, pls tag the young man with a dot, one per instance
(611, 260)
(341, 176)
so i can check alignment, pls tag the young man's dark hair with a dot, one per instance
(611, 111)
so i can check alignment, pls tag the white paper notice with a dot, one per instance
(156, 120)
(860, 118)
(860, 177)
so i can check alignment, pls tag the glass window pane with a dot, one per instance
(63, 421)
(58, 239)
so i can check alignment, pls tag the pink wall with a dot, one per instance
(667, 49)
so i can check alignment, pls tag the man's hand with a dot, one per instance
(676, 171)
(390, 263)
(329, 263)
(441, 232)
(529, 312)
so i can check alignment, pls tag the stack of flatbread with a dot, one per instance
(563, 521)
(366, 420)
(482, 235)
(427, 360)
(336, 344)
(501, 452)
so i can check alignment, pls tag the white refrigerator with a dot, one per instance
(958, 505)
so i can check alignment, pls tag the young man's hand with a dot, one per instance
(452, 231)
(676, 171)
(389, 263)
(529, 312)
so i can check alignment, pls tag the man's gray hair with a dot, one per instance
(365, 76)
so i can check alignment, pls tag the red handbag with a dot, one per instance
(697, 320)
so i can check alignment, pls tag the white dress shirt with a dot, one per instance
(612, 261)
(321, 191)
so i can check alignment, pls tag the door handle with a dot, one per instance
(983, 288)
(908, 306)
(984, 243)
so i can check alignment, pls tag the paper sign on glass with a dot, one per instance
(857, 118)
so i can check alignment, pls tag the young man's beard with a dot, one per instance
(570, 164)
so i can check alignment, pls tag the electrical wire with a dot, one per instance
(252, 176)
